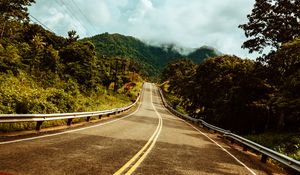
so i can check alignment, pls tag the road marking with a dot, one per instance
(74, 130)
(139, 157)
(225, 150)
(222, 148)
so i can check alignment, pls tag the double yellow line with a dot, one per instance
(139, 157)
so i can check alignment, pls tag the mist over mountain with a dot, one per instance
(151, 58)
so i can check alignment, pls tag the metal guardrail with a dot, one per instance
(40, 118)
(265, 152)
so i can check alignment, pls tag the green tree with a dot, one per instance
(10, 58)
(179, 75)
(13, 13)
(80, 63)
(227, 89)
(31, 30)
(272, 23)
(284, 62)
(38, 46)
(72, 37)
(275, 24)
(283, 73)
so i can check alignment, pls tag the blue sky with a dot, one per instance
(188, 23)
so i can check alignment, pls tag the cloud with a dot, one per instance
(192, 23)
(143, 7)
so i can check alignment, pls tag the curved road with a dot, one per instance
(148, 141)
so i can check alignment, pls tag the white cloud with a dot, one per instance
(191, 23)
(143, 7)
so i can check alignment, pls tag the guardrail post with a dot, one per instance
(69, 122)
(200, 124)
(38, 125)
(88, 119)
(264, 158)
(245, 148)
(100, 116)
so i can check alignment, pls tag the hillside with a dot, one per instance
(202, 53)
(151, 59)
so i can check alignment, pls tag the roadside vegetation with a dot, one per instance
(41, 72)
(286, 143)
(257, 99)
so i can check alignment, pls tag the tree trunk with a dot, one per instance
(268, 118)
(280, 124)
(2, 32)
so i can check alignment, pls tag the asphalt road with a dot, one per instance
(148, 141)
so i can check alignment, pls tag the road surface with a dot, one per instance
(148, 141)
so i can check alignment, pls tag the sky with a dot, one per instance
(188, 23)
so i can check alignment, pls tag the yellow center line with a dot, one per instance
(143, 152)
(135, 166)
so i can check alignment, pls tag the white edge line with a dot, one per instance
(240, 162)
(70, 131)
(251, 171)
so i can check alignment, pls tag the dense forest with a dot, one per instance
(150, 59)
(227, 88)
(247, 96)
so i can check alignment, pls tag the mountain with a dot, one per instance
(151, 59)
(202, 53)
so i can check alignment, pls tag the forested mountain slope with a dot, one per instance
(151, 59)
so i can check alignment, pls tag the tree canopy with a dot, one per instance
(150, 59)
(13, 14)
(272, 23)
